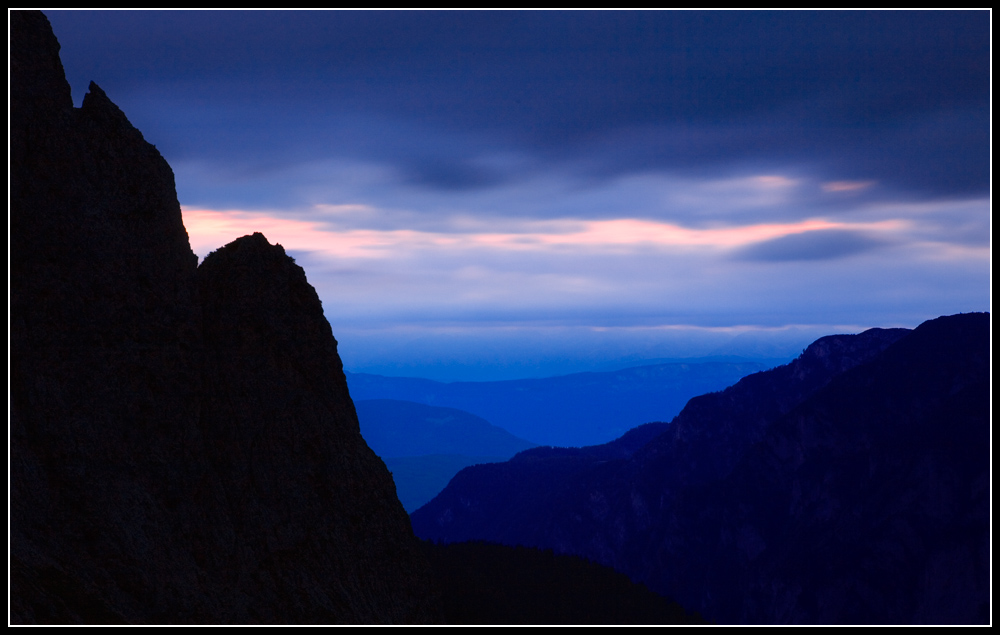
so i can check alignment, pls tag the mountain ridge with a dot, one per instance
(395, 428)
(601, 405)
(425, 446)
(704, 512)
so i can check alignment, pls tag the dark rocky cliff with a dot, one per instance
(867, 503)
(183, 446)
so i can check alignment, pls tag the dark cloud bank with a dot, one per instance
(899, 96)
(813, 245)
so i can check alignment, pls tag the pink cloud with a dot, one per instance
(847, 186)
(210, 229)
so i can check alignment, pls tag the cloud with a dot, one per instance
(806, 239)
(825, 244)
(463, 352)
(452, 175)
(902, 98)
(597, 170)
(847, 186)
(960, 223)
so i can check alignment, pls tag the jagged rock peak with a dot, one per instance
(38, 82)
(250, 247)
(98, 107)
(256, 301)
(252, 279)
(183, 446)
(269, 349)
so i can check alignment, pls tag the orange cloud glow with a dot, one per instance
(210, 229)
(847, 186)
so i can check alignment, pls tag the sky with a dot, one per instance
(492, 195)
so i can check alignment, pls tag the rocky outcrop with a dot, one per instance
(183, 446)
(310, 506)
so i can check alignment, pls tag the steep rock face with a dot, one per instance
(310, 506)
(867, 503)
(175, 457)
(105, 330)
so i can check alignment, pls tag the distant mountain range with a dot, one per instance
(849, 486)
(569, 410)
(424, 446)
(405, 428)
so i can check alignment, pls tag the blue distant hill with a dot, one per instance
(405, 428)
(424, 446)
(570, 410)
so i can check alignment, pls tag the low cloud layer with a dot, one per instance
(829, 244)
(862, 265)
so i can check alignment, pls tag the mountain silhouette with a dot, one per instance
(567, 410)
(850, 486)
(395, 428)
(183, 447)
(425, 446)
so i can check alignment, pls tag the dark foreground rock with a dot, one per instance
(183, 445)
(483, 583)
